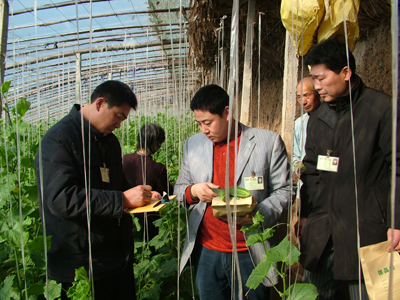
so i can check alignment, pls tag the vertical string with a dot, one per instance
(395, 78)
(353, 153)
(88, 188)
(259, 70)
(233, 92)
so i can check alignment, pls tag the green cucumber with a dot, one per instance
(240, 192)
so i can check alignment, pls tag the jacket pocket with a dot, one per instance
(379, 204)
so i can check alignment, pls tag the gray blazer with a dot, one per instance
(260, 151)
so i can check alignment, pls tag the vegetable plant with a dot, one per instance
(285, 253)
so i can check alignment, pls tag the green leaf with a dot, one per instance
(23, 106)
(81, 286)
(169, 268)
(37, 244)
(4, 88)
(258, 218)
(38, 259)
(254, 239)
(152, 292)
(6, 286)
(301, 291)
(268, 233)
(220, 193)
(136, 223)
(258, 274)
(52, 290)
(35, 289)
(284, 252)
(252, 228)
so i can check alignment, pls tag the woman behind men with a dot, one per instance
(139, 167)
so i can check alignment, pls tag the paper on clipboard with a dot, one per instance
(155, 205)
(375, 261)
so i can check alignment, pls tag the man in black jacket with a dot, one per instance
(346, 191)
(79, 160)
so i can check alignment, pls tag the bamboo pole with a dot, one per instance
(245, 110)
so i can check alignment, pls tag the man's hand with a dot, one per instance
(396, 239)
(204, 191)
(137, 196)
(155, 194)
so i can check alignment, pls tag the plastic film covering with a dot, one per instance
(334, 24)
(301, 20)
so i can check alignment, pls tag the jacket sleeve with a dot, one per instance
(310, 177)
(62, 187)
(385, 144)
(278, 181)
(297, 143)
(184, 179)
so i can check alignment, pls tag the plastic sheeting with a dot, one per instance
(302, 19)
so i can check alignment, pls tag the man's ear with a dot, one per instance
(226, 113)
(346, 71)
(99, 102)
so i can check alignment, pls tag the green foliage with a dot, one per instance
(80, 289)
(177, 130)
(156, 267)
(22, 250)
(22, 260)
(285, 253)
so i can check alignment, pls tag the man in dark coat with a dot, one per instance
(80, 179)
(346, 192)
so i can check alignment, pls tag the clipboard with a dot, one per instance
(155, 205)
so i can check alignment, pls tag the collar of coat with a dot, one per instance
(328, 113)
(77, 117)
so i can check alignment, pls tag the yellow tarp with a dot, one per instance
(302, 18)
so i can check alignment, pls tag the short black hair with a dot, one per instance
(212, 98)
(150, 138)
(333, 54)
(115, 93)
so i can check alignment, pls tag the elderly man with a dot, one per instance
(309, 98)
(345, 189)
(79, 169)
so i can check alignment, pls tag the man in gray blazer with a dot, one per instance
(261, 156)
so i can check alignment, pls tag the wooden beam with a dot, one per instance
(246, 109)
(289, 93)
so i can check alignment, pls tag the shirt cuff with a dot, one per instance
(189, 198)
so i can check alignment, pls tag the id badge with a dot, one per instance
(254, 183)
(328, 163)
(105, 177)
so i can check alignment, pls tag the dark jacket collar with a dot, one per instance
(357, 88)
(77, 117)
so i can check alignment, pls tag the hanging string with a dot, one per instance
(353, 153)
(259, 70)
(233, 92)
(88, 184)
(395, 78)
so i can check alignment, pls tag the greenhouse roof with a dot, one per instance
(57, 47)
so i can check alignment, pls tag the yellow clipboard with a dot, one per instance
(155, 205)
